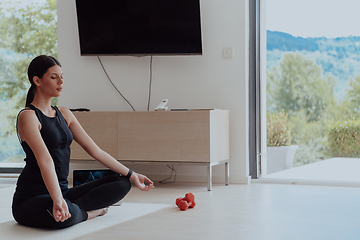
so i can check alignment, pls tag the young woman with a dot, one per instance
(42, 197)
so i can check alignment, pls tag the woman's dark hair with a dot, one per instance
(38, 67)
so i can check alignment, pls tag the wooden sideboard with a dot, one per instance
(173, 137)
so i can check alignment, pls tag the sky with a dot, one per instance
(314, 18)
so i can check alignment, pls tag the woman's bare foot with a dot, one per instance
(96, 213)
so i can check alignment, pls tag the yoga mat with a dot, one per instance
(117, 214)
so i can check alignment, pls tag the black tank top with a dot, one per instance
(57, 137)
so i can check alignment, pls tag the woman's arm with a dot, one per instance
(84, 140)
(29, 131)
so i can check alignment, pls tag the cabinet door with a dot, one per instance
(164, 136)
(102, 128)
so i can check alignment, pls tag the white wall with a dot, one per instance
(207, 81)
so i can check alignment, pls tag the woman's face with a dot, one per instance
(51, 83)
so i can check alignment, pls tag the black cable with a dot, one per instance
(114, 85)
(172, 170)
(151, 60)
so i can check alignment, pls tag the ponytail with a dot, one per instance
(30, 95)
(38, 67)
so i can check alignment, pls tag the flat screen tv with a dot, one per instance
(139, 27)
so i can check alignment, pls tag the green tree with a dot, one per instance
(26, 31)
(7, 77)
(298, 84)
(353, 98)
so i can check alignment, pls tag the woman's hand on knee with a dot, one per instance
(61, 211)
(142, 182)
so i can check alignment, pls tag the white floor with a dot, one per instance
(249, 212)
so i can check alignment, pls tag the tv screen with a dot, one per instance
(139, 27)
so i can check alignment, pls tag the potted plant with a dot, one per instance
(280, 152)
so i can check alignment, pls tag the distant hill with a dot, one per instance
(341, 46)
(338, 56)
(286, 42)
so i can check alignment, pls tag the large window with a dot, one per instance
(27, 29)
(313, 75)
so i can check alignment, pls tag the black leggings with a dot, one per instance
(94, 195)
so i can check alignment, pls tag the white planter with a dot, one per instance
(280, 158)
